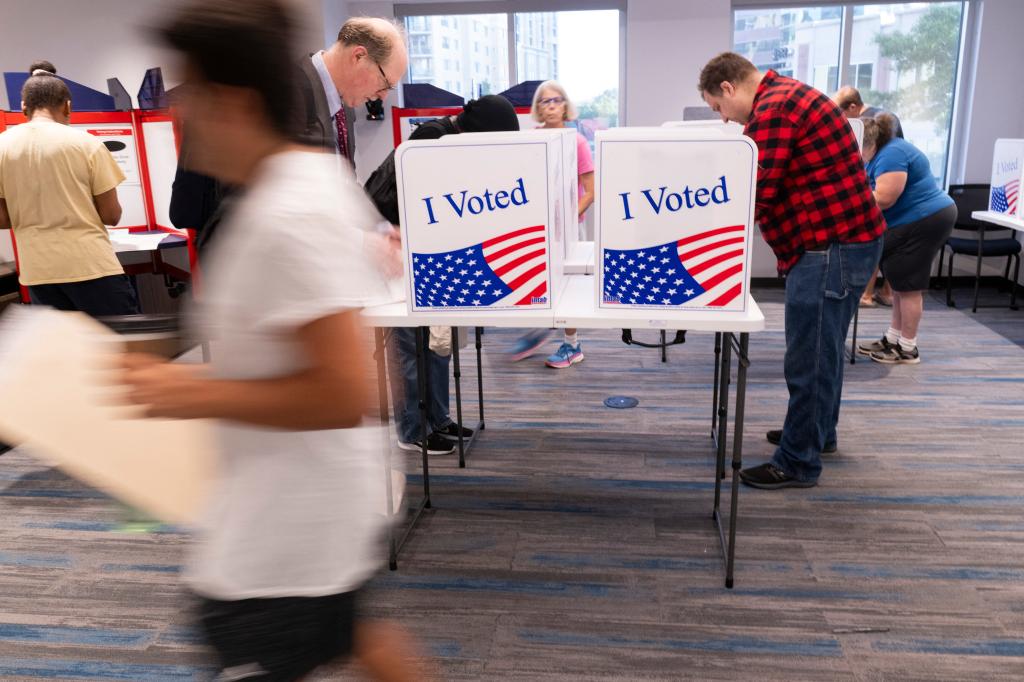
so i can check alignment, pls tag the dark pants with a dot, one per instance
(401, 344)
(112, 295)
(822, 293)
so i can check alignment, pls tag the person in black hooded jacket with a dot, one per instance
(490, 113)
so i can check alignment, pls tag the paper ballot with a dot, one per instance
(57, 400)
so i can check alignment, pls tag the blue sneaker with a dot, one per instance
(565, 356)
(528, 344)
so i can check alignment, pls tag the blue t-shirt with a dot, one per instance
(921, 197)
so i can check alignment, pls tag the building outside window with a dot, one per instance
(580, 49)
(903, 57)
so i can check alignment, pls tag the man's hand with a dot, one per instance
(386, 251)
(164, 389)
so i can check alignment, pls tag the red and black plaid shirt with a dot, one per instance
(811, 186)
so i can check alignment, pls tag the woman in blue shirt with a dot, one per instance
(920, 218)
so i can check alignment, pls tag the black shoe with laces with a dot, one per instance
(896, 355)
(775, 437)
(770, 477)
(879, 346)
(436, 445)
(451, 432)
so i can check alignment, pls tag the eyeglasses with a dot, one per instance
(387, 84)
(551, 101)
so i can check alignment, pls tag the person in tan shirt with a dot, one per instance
(58, 190)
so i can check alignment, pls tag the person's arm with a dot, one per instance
(330, 393)
(587, 180)
(775, 135)
(108, 206)
(888, 188)
(5, 217)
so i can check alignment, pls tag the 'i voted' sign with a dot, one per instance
(481, 221)
(675, 211)
(1007, 174)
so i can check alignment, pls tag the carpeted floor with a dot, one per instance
(578, 545)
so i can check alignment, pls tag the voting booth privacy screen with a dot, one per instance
(482, 220)
(675, 213)
(1007, 176)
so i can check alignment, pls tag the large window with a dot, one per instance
(580, 49)
(468, 73)
(902, 57)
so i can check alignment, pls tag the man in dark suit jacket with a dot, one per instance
(364, 64)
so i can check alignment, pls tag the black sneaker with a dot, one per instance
(895, 355)
(451, 432)
(874, 347)
(775, 437)
(770, 477)
(436, 445)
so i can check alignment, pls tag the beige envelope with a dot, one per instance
(56, 398)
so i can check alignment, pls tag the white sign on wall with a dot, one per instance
(482, 220)
(1007, 175)
(675, 213)
(119, 139)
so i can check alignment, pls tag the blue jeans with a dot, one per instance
(401, 344)
(823, 290)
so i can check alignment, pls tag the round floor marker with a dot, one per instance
(621, 402)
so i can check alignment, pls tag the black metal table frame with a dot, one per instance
(725, 344)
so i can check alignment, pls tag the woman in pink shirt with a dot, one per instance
(552, 107)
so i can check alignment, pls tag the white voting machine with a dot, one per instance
(483, 220)
(1007, 176)
(675, 216)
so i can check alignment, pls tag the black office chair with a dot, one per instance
(971, 198)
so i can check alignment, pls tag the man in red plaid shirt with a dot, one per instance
(816, 211)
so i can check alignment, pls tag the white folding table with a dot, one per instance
(577, 307)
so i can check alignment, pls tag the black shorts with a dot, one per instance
(908, 250)
(278, 639)
(111, 295)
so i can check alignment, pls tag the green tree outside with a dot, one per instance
(929, 50)
(605, 105)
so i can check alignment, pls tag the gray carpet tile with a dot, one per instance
(578, 544)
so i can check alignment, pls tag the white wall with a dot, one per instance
(998, 103)
(87, 41)
(92, 41)
(667, 43)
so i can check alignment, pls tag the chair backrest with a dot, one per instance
(970, 198)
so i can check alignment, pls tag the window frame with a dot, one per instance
(512, 7)
(963, 78)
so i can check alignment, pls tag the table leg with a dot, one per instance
(743, 362)
(458, 394)
(722, 435)
(422, 369)
(382, 397)
(480, 375)
(714, 398)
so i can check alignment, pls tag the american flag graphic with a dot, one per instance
(1004, 199)
(704, 269)
(508, 270)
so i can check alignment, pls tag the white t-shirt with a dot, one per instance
(295, 513)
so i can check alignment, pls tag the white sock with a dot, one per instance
(908, 344)
(572, 340)
(892, 336)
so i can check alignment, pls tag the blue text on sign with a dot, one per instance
(662, 199)
(461, 202)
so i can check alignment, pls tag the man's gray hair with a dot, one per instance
(361, 31)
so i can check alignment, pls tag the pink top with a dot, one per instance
(584, 162)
